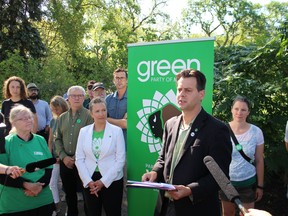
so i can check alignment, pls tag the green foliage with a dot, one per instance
(51, 77)
(91, 37)
(234, 22)
(17, 32)
(13, 65)
(261, 75)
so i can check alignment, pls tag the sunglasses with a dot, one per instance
(89, 87)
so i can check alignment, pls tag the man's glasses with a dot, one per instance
(76, 96)
(25, 119)
(119, 78)
(89, 87)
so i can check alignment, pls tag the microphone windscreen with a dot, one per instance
(221, 179)
(31, 167)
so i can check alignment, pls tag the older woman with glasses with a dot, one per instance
(100, 158)
(29, 194)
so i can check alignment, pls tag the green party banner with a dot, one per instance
(152, 101)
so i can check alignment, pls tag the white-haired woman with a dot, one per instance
(29, 194)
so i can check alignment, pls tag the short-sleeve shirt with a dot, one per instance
(240, 169)
(117, 108)
(19, 153)
(8, 104)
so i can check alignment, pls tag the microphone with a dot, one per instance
(32, 167)
(224, 183)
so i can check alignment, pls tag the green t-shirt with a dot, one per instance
(20, 153)
(97, 139)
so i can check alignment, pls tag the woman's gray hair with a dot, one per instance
(76, 87)
(17, 111)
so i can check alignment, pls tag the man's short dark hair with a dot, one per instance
(200, 77)
(118, 70)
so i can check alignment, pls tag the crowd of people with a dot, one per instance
(79, 126)
(88, 139)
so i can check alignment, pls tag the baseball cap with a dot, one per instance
(32, 86)
(90, 84)
(98, 85)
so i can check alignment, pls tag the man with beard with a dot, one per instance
(89, 93)
(42, 110)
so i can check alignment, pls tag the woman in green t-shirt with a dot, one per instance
(29, 194)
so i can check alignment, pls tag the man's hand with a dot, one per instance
(180, 192)
(149, 176)
(69, 162)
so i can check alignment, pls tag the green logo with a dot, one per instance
(152, 117)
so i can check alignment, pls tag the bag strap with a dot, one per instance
(239, 146)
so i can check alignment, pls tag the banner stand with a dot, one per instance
(152, 101)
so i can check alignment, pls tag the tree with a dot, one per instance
(229, 19)
(91, 36)
(17, 32)
(260, 74)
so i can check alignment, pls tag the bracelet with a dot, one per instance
(260, 187)
(6, 170)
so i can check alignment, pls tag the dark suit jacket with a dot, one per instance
(208, 136)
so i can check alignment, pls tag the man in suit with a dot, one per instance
(187, 139)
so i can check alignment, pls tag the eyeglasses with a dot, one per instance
(24, 119)
(76, 96)
(119, 78)
(89, 87)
